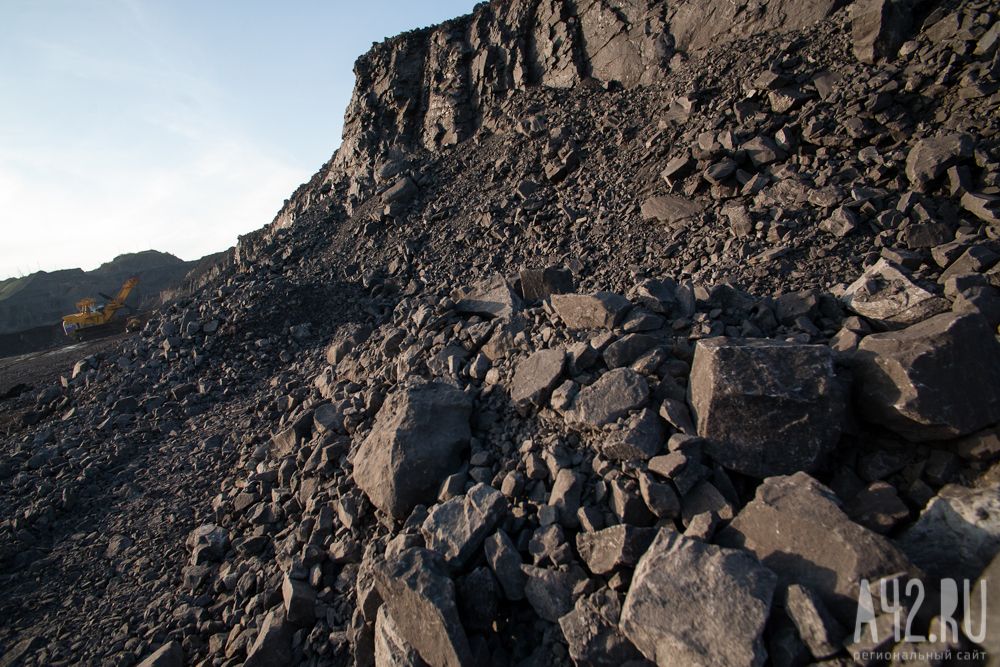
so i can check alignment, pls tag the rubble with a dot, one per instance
(553, 365)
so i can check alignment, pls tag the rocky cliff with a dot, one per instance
(432, 89)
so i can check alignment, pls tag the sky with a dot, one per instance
(173, 125)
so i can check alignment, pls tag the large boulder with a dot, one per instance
(457, 527)
(601, 310)
(612, 396)
(420, 597)
(692, 603)
(957, 534)
(418, 439)
(879, 28)
(935, 380)
(796, 527)
(885, 294)
(766, 407)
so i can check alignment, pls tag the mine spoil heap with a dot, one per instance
(615, 333)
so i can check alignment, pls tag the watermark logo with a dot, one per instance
(903, 604)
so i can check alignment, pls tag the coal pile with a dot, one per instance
(646, 335)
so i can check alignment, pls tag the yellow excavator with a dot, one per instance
(92, 320)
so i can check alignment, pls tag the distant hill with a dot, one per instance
(44, 297)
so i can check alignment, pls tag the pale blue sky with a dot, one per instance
(168, 124)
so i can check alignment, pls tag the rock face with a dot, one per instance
(766, 407)
(464, 66)
(916, 381)
(417, 440)
(695, 603)
(795, 526)
(420, 597)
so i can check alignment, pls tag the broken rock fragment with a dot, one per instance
(617, 546)
(795, 526)
(696, 603)
(766, 407)
(420, 597)
(536, 377)
(601, 310)
(418, 439)
(613, 395)
(917, 381)
(670, 208)
(456, 528)
(886, 294)
(957, 534)
(492, 297)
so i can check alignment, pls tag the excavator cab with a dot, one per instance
(93, 318)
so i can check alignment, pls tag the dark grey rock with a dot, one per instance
(916, 381)
(817, 545)
(420, 597)
(417, 441)
(766, 407)
(689, 600)
(456, 528)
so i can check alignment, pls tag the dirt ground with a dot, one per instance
(38, 370)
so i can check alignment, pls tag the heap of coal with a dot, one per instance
(613, 333)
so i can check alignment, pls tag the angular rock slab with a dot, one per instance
(536, 377)
(617, 546)
(492, 297)
(418, 439)
(936, 380)
(886, 294)
(420, 597)
(928, 160)
(795, 526)
(391, 649)
(592, 634)
(612, 396)
(456, 528)
(693, 603)
(670, 208)
(957, 534)
(273, 646)
(601, 310)
(766, 407)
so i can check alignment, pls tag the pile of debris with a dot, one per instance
(553, 383)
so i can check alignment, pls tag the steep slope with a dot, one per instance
(564, 357)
